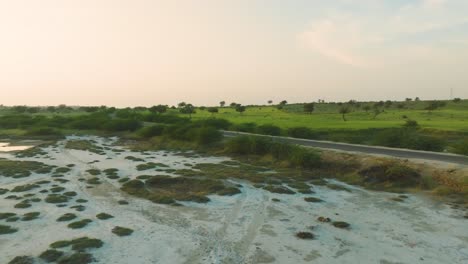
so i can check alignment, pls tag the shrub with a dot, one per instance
(44, 131)
(302, 132)
(245, 127)
(462, 147)
(408, 138)
(271, 130)
(215, 122)
(122, 125)
(208, 135)
(152, 131)
(83, 243)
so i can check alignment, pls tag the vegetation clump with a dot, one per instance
(21, 169)
(56, 198)
(66, 217)
(94, 172)
(51, 255)
(22, 260)
(166, 190)
(84, 145)
(25, 188)
(5, 229)
(30, 216)
(6, 215)
(391, 175)
(313, 200)
(22, 205)
(79, 224)
(84, 243)
(104, 216)
(278, 189)
(340, 224)
(77, 258)
(122, 231)
(305, 235)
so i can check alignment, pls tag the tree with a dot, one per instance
(377, 112)
(222, 103)
(367, 108)
(212, 110)
(188, 109)
(181, 104)
(417, 99)
(240, 108)
(433, 105)
(270, 102)
(309, 108)
(408, 99)
(284, 102)
(456, 100)
(233, 104)
(158, 109)
(343, 111)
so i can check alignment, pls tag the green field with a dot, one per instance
(452, 117)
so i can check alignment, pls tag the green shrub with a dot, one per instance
(245, 127)
(122, 125)
(208, 135)
(152, 131)
(462, 147)
(43, 131)
(302, 132)
(51, 255)
(104, 216)
(83, 243)
(268, 129)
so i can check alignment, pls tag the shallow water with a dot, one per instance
(245, 228)
(6, 147)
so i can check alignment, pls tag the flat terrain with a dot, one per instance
(255, 226)
(452, 117)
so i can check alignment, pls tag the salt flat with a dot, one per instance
(249, 227)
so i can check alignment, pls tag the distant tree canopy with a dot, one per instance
(270, 101)
(309, 108)
(213, 110)
(343, 110)
(188, 109)
(240, 108)
(434, 105)
(158, 109)
(181, 104)
(233, 104)
(222, 103)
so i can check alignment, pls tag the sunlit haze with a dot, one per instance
(146, 52)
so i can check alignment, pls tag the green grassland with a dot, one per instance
(452, 117)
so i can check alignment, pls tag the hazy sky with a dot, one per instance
(146, 52)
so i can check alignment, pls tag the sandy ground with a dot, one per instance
(245, 228)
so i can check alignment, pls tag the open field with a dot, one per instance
(452, 117)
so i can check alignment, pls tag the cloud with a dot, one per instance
(413, 31)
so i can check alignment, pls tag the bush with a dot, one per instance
(245, 127)
(408, 138)
(302, 132)
(122, 125)
(271, 130)
(462, 147)
(215, 122)
(411, 123)
(208, 135)
(152, 131)
(44, 131)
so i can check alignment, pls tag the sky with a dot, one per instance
(147, 52)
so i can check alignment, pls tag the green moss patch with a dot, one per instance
(22, 260)
(104, 216)
(122, 231)
(313, 200)
(150, 165)
(94, 172)
(66, 217)
(79, 224)
(21, 169)
(166, 190)
(22, 205)
(84, 145)
(56, 198)
(30, 216)
(5, 229)
(6, 215)
(25, 188)
(51, 255)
